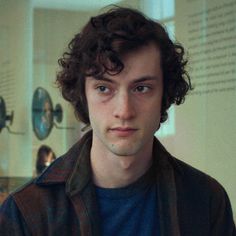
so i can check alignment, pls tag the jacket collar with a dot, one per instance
(166, 168)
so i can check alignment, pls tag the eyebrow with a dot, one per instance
(145, 78)
(135, 81)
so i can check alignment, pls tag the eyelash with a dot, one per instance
(142, 86)
(101, 89)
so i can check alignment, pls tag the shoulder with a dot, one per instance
(33, 202)
(12, 221)
(51, 184)
(187, 178)
(37, 192)
(195, 186)
(192, 177)
(202, 194)
(26, 197)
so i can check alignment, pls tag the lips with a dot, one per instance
(123, 131)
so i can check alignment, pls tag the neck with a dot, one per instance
(112, 171)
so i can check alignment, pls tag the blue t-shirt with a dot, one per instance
(129, 211)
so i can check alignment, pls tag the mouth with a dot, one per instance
(123, 131)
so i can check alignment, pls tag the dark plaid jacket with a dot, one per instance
(62, 200)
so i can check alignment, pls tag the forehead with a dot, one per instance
(145, 62)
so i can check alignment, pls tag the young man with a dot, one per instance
(121, 73)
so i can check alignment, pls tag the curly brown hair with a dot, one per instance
(106, 38)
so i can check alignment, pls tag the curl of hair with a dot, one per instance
(99, 48)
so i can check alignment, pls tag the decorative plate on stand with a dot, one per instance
(42, 113)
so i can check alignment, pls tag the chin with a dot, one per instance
(124, 150)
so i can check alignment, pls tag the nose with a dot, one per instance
(124, 107)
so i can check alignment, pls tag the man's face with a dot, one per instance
(124, 109)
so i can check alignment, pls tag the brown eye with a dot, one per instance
(141, 89)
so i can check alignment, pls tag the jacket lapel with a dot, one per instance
(79, 188)
(167, 198)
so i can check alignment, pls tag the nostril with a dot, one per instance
(123, 106)
(124, 111)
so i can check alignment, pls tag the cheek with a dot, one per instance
(97, 113)
(151, 106)
(151, 113)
